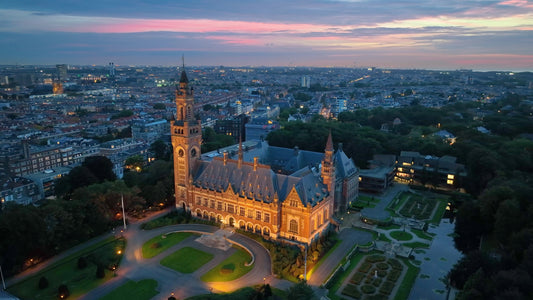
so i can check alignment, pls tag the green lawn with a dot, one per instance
(161, 243)
(78, 281)
(422, 235)
(231, 268)
(140, 290)
(442, 203)
(186, 260)
(408, 281)
(401, 235)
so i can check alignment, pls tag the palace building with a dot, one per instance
(274, 195)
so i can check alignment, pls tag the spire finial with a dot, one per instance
(329, 143)
(183, 61)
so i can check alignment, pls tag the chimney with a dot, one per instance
(255, 163)
(340, 147)
(225, 155)
(296, 150)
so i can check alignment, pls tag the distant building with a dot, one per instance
(46, 180)
(379, 176)
(62, 71)
(446, 136)
(149, 131)
(18, 190)
(234, 127)
(306, 81)
(413, 167)
(31, 159)
(258, 128)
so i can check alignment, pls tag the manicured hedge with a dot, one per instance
(351, 291)
(365, 266)
(368, 289)
(357, 278)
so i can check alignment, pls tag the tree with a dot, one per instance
(100, 271)
(43, 283)
(101, 167)
(468, 227)
(82, 262)
(161, 150)
(63, 292)
(135, 162)
(301, 291)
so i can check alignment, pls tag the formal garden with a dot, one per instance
(375, 278)
(74, 275)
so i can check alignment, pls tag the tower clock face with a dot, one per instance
(193, 152)
(180, 153)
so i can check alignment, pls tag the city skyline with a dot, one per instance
(479, 35)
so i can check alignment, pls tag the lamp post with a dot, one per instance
(123, 213)
(2, 275)
(305, 263)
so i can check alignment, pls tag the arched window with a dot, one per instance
(293, 226)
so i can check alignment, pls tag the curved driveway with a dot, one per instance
(134, 267)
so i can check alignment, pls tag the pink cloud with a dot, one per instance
(517, 3)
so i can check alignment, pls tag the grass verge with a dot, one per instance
(140, 290)
(231, 268)
(161, 243)
(441, 208)
(186, 260)
(416, 245)
(408, 281)
(66, 271)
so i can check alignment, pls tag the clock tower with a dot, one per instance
(186, 135)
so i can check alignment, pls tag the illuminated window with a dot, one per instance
(212, 203)
(258, 215)
(242, 211)
(400, 169)
(267, 218)
(231, 208)
(250, 213)
(293, 203)
(449, 181)
(451, 176)
(219, 205)
(293, 226)
(198, 201)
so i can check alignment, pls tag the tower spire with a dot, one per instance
(329, 143)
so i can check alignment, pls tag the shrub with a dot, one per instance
(63, 292)
(357, 278)
(382, 273)
(375, 258)
(395, 264)
(393, 275)
(43, 283)
(368, 289)
(386, 288)
(365, 266)
(382, 266)
(82, 262)
(351, 291)
(100, 272)
(227, 269)
(155, 245)
(376, 282)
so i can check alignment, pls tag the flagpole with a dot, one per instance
(123, 213)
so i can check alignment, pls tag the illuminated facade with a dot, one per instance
(248, 195)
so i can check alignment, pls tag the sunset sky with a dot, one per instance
(424, 34)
